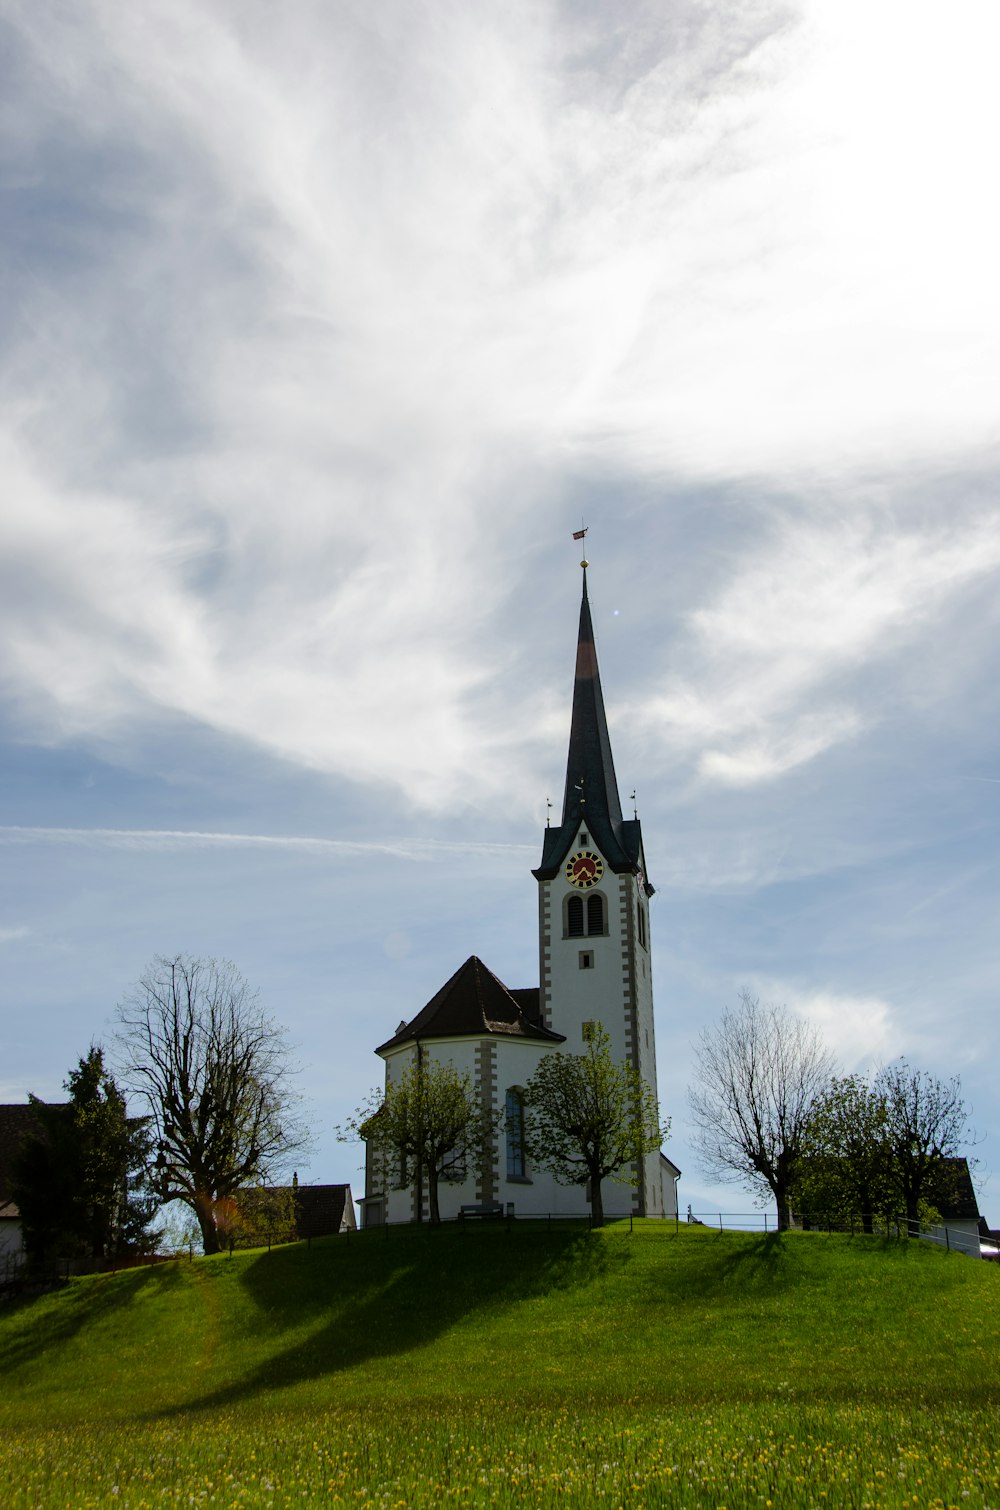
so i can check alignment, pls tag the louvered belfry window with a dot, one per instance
(595, 914)
(574, 917)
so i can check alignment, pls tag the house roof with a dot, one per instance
(950, 1189)
(475, 1003)
(322, 1209)
(17, 1121)
(674, 1171)
(590, 799)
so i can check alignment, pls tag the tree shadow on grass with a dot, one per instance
(386, 1297)
(35, 1325)
(732, 1264)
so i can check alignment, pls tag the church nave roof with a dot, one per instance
(475, 1002)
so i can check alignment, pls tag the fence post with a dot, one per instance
(947, 1240)
(720, 1221)
(765, 1221)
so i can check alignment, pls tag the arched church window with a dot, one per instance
(574, 917)
(596, 921)
(514, 1113)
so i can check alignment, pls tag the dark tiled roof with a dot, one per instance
(591, 799)
(529, 999)
(950, 1189)
(323, 1209)
(17, 1121)
(474, 1001)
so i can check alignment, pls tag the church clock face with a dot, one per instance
(584, 869)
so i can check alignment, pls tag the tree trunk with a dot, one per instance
(432, 1193)
(867, 1215)
(781, 1201)
(204, 1210)
(596, 1202)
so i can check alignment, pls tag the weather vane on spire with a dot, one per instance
(581, 535)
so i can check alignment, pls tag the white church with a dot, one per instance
(594, 966)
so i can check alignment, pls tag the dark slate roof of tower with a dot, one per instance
(474, 1002)
(591, 800)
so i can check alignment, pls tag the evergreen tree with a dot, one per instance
(80, 1181)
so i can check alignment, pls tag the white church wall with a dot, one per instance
(512, 1063)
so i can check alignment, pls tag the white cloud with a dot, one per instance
(862, 1031)
(342, 297)
(780, 661)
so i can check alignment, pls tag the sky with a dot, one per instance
(322, 329)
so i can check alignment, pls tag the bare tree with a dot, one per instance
(215, 1073)
(759, 1073)
(926, 1125)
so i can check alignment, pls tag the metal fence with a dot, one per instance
(955, 1239)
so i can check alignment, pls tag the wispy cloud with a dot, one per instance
(346, 298)
(171, 839)
(793, 655)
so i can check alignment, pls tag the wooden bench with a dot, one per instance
(487, 1211)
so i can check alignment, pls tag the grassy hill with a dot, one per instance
(489, 1366)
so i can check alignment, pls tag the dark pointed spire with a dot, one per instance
(591, 789)
(590, 802)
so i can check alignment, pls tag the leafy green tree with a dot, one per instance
(215, 1072)
(427, 1124)
(587, 1117)
(759, 1075)
(872, 1152)
(80, 1182)
(846, 1172)
(256, 1215)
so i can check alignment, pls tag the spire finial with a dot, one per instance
(581, 534)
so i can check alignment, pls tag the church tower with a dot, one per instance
(593, 905)
(593, 900)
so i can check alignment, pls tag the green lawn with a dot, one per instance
(490, 1366)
